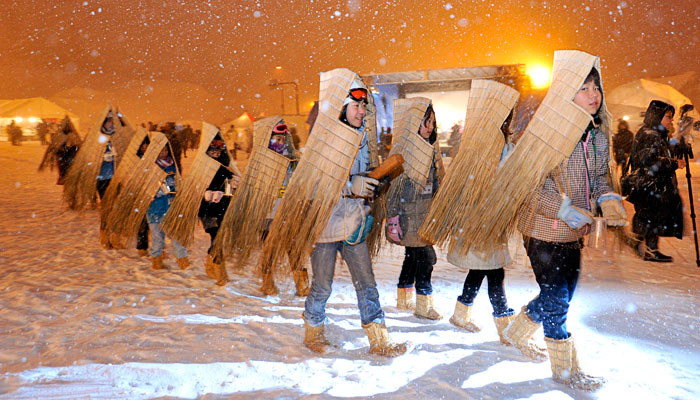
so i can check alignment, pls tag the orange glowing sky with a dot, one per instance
(231, 48)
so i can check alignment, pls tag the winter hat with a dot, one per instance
(280, 129)
(358, 92)
(655, 113)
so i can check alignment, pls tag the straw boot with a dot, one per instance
(209, 266)
(565, 368)
(104, 240)
(157, 262)
(404, 299)
(501, 324)
(183, 262)
(462, 318)
(380, 343)
(315, 338)
(425, 307)
(301, 280)
(519, 333)
(220, 273)
(268, 287)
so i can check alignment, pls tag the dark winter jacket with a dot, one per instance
(659, 211)
(622, 145)
(413, 205)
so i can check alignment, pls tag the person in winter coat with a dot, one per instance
(157, 210)
(553, 224)
(489, 266)
(215, 202)
(659, 211)
(356, 255)
(142, 236)
(107, 168)
(406, 213)
(622, 144)
(279, 138)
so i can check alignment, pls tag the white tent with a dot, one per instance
(28, 112)
(631, 100)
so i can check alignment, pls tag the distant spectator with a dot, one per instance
(622, 144)
(42, 130)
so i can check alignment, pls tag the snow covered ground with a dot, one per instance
(77, 321)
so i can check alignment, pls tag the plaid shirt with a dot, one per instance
(582, 178)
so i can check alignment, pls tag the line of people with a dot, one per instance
(329, 201)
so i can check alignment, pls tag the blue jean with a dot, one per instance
(497, 294)
(556, 267)
(158, 244)
(360, 266)
(418, 268)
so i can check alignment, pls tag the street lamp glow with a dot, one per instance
(539, 75)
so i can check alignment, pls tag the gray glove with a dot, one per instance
(573, 216)
(363, 186)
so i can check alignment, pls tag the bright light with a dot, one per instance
(625, 117)
(539, 75)
(311, 103)
(33, 120)
(278, 67)
(19, 120)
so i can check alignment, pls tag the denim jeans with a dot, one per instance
(556, 267)
(360, 266)
(497, 294)
(158, 244)
(418, 268)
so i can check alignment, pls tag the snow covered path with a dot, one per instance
(77, 321)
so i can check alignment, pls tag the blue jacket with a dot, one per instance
(161, 203)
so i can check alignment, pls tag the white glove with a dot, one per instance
(363, 186)
(573, 216)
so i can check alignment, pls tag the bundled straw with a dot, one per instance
(139, 187)
(181, 219)
(244, 222)
(473, 169)
(549, 139)
(81, 179)
(126, 168)
(319, 178)
(58, 139)
(416, 151)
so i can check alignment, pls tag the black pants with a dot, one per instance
(557, 267)
(497, 295)
(102, 187)
(418, 268)
(142, 236)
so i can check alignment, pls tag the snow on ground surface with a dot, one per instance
(77, 321)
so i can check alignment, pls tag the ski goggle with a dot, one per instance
(280, 129)
(358, 94)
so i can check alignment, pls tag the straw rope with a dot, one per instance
(473, 169)
(549, 139)
(316, 185)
